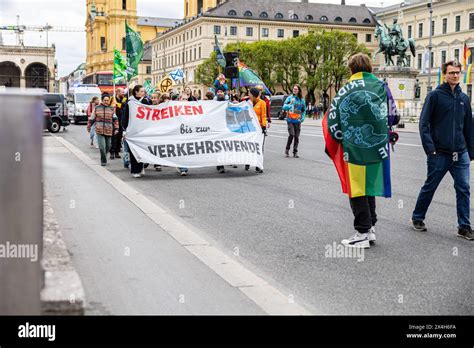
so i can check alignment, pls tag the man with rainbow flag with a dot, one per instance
(356, 131)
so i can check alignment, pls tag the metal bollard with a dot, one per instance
(21, 201)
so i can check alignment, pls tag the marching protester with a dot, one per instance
(209, 96)
(164, 98)
(220, 94)
(189, 94)
(116, 147)
(106, 126)
(266, 99)
(90, 109)
(295, 106)
(357, 142)
(155, 98)
(260, 108)
(221, 83)
(447, 136)
(138, 94)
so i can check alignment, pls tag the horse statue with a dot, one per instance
(391, 49)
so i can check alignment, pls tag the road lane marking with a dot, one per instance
(267, 297)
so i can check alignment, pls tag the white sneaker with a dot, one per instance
(358, 240)
(137, 175)
(143, 172)
(372, 234)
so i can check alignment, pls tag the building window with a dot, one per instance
(469, 61)
(103, 44)
(368, 37)
(420, 57)
(432, 27)
(124, 44)
(278, 16)
(233, 31)
(443, 57)
(248, 14)
(445, 25)
(323, 19)
(409, 31)
(458, 23)
(352, 20)
(265, 32)
(124, 4)
(249, 31)
(217, 29)
(195, 56)
(356, 36)
(432, 60)
(200, 52)
(232, 13)
(420, 30)
(296, 33)
(471, 21)
(366, 21)
(409, 61)
(309, 18)
(148, 70)
(294, 16)
(338, 19)
(456, 54)
(281, 33)
(263, 15)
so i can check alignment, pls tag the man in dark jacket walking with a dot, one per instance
(447, 135)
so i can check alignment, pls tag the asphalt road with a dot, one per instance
(281, 224)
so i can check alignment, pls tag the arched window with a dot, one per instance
(248, 14)
(353, 20)
(278, 16)
(294, 16)
(309, 18)
(338, 19)
(232, 13)
(263, 15)
(367, 20)
(323, 19)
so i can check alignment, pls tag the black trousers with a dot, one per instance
(117, 142)
(294, 130)
(365, 216)
(135, 167)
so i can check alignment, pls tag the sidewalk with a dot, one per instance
(134, 258)
(409, 127)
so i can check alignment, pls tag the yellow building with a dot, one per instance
(194, 7)
(105, 30)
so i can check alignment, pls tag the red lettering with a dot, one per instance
(171, 111)
(140, 113)
(178, 111)
(188, 110)
(164, 114)
(197, 110)
(148, 114)
(156, 115)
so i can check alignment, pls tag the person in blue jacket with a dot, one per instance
(447, 135)
(295, 106)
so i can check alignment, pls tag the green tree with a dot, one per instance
(288, 66)
(207, 71)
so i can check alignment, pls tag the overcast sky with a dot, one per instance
(70, 46)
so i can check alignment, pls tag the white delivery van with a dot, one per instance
(79, 98)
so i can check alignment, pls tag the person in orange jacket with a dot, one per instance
(260, 108)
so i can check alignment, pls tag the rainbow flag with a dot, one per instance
(467, 74)
(440, 77)
(248, 78)
(358, 180)
(466, 55)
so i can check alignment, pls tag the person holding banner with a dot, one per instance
(189, 93)
(295, 105)
(138, 94)
(106, 126)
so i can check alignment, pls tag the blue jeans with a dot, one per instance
(92, 133)
(438, 166)
(125, 156)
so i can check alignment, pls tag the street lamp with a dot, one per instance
(318, 48)
(430, 46)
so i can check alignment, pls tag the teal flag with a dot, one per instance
(220, 55)
(134, 50)
(148, 87)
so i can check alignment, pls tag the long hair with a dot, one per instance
(300, 91)
(136, 89)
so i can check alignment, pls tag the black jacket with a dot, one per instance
(446, 121)
(126, 111)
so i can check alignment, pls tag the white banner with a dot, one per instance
(195, 134)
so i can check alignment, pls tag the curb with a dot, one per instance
(63, 293)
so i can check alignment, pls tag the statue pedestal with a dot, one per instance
(401, 81)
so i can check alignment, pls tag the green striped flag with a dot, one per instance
(120, 66)
(134, 50)
(148, 87)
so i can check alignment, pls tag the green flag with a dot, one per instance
(134, 50)
(220, 54)
(148, 87)
(120, 66)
